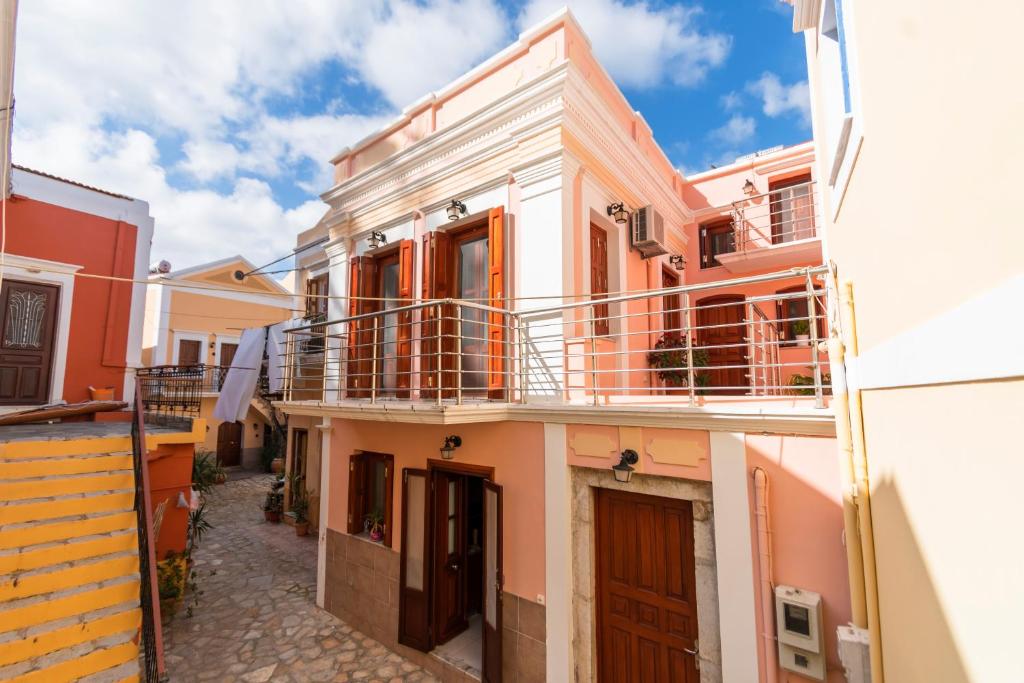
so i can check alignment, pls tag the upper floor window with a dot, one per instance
(716, 238)
(792, 209)
(316, 296)
(794, 320)
(599, 277)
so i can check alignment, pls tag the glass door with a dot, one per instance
(472, 286)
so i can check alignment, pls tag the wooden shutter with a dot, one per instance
(404, 332)
(354, 284)
(496, 292)
(414, 578)
(436, 257)
(494, 578)
(599, 277)
(356, 492)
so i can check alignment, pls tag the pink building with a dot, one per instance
(570, 407)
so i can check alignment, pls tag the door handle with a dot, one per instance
(695, 652)
(454, 566)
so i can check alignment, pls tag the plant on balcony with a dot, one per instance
(375, 525)
(801, 332)
(804, 384)
(671, 360)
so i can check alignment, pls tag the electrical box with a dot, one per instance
(855, 653)
(799, 628)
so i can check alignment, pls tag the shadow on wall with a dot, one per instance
(917, 641)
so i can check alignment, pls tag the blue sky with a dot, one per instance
(223, 115)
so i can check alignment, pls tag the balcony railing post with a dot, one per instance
(458, 354)
(690, 374)
(523, 368)
(439, 355)
(289, 366)
(507, 346)
(812, 316)
(751, 350)
(593, 352)
(325, 366)
(373, 361)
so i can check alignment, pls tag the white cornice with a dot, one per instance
(38, 265)
(797, 421)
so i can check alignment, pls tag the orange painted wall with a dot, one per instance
(806, 514)
(101, 309)
(514, 450)
(170, 473)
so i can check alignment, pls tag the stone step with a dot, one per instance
(54, 448)
(54, 487)
(39, 611)
(66, 552)
(36, 645)
(43, 467)
(75, 662)
(27, 534)
(129, 672)
(46, 580)
(70, 507)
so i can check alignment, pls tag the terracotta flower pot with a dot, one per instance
(221, 478)
(301, 528)
(277, 465)
(272, 516)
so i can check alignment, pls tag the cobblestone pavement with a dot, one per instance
(256, 619)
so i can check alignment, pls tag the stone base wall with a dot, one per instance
(361, 588)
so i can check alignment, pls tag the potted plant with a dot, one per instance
(671, 360)
(300, 507)
(272, 507)
(801, 332)
(375, 525)
(206, 471)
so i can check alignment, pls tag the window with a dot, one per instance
(189, 351)
(370, 495)
(716, 238)
(792, 314)
(599, 277)
(792, 209)
(671, 316)
(839, 94)
(316, 296)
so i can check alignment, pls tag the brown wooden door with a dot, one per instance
(229, 443)
(494, 579)
(26, 347)
(722, 333)
(414, 572)
(227, 354)
(449, 556)
(646, 589)
(599, 277)
(188, 351)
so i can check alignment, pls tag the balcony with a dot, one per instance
(774, 230)
(681, 347)
(176, 391)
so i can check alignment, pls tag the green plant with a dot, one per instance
(273, 448)
(671, 359)
(197, 526)
(205, 471)
(170, 577)
(274, 502)
(801, 327)
(805, 384)
(375, 524)
(300, 505)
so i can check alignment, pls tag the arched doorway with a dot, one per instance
(229, 444)
(722, 331)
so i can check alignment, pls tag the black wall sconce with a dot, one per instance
(456, 210)
(619, 212)
(749, 189)
(377, 238)
(450, 444)
(624, 470)
(677, 261)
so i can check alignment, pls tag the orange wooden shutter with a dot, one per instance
(427, 319)
(404, 332)
(356, 492)
(354, 284)
(496, 293)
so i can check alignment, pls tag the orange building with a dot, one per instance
(67, 326)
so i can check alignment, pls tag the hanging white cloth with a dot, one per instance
(276, 354)
(240, 384)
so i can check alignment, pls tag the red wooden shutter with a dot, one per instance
(356, 492)
(354, 285)
(404, 332)
(496, 293)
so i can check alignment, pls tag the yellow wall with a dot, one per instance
(928, 223)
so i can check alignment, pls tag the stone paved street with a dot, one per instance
(256, 619)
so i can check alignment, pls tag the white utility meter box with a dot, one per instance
(801, 640)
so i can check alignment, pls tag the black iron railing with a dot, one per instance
(171, 391)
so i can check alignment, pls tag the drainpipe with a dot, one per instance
(863, 492)
(764, 555)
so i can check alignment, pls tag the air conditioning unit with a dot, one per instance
(648, 232)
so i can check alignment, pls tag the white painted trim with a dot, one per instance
(137, 319)
(77, 198)
(163, 326)
(933, 352)
(734, 557)
(202, 337)
(325, 506)
(272, 300)
(248, 265)
(32, 270)
(558, 555)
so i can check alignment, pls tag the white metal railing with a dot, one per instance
(788, 214)
(680, 344)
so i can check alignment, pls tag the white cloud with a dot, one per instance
(778, 99)
(731, 101)
(642, 44)
(737, 130)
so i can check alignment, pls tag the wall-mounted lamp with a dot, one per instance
(749, 189)
(456, 210)
(677, 261)
(450, 444)
(624, 470)
(619, 212)
(377, 238)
